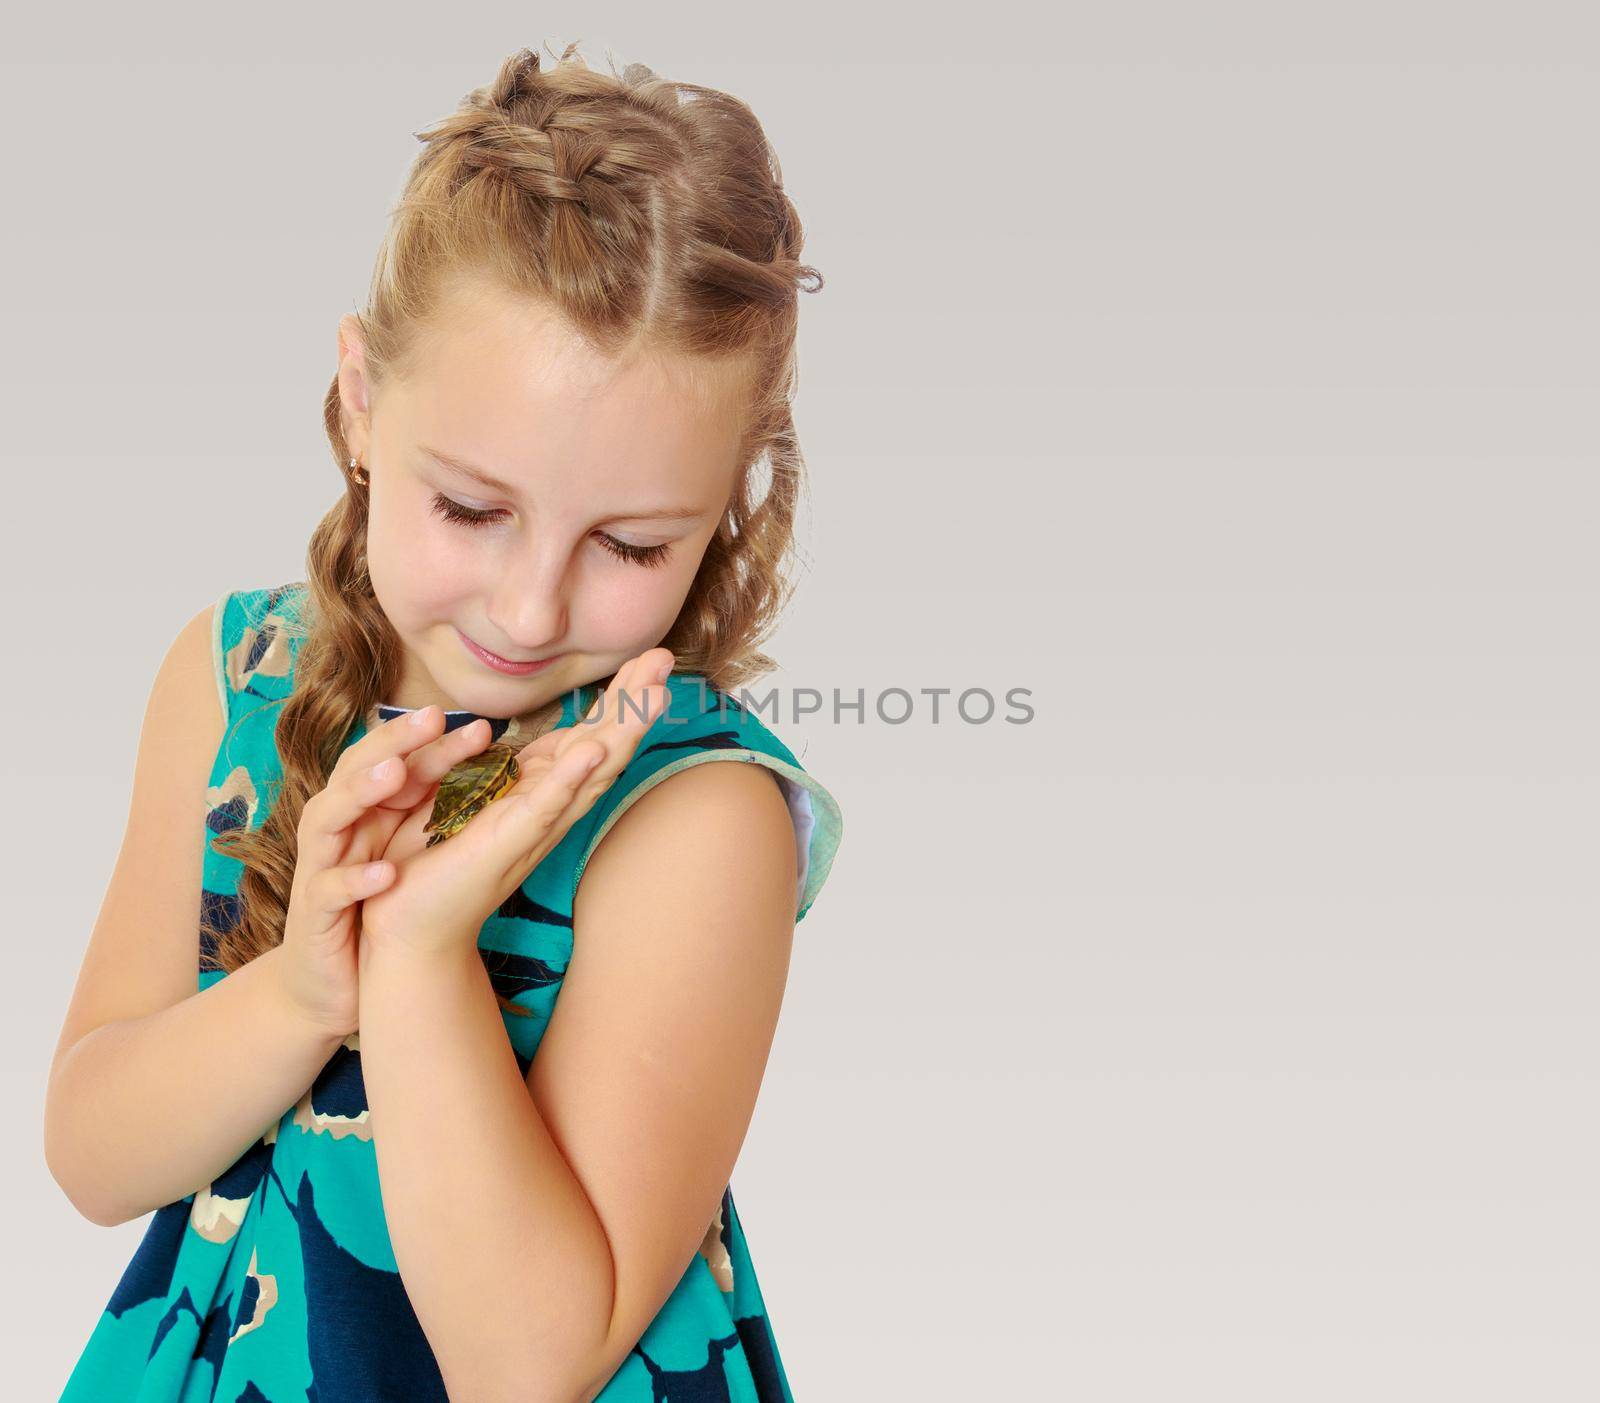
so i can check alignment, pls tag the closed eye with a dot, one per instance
(452, 510)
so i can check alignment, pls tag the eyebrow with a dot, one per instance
(506, 490)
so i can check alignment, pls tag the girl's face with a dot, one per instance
(609, 479)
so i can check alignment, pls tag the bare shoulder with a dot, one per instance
(722, 822)
(141, 955)
(187, 677)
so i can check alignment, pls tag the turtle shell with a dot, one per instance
(470, 787)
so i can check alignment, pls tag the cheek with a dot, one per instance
(624, 609)
(417, 565)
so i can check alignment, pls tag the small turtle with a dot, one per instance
(470, 787)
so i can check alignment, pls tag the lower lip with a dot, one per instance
(499, 664)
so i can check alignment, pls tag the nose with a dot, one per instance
(528, 605)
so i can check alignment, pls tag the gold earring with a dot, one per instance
(363, 479)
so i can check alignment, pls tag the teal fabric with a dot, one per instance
(277, 1281)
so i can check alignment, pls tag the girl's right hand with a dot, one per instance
(342, 830)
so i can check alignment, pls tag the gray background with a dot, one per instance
(1227, 376)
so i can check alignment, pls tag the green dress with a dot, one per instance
(277, 1281)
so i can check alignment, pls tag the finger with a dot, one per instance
(597, 708)
(527, 821)
(610, 701)
(383, 779)
(617, 741)
(328, 815)
(626, 701)
(626, 698)
(399, 735)
(334, 890)
(654, 667)
(600, 723)
(402, 779)
(435, 760)
(622, 726)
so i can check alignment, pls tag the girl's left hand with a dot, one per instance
(442, 895)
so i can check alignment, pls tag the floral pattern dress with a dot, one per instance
(277, 1280)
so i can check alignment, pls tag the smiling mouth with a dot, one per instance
(504, 664)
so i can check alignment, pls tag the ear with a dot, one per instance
(353, 388)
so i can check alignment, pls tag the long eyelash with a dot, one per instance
(639, 555)
(452, 510)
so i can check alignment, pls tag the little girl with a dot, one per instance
(518, 1020)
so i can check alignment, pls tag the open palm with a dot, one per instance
(443, 893)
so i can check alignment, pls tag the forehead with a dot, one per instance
(506, 386)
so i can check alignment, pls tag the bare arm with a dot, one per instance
(606, 1166)
(142, 1111)
(156, 1089)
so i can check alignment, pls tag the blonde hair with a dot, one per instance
(644, 213)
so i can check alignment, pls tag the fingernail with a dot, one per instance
(382, 768)
(420, 716)
(665, 670)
